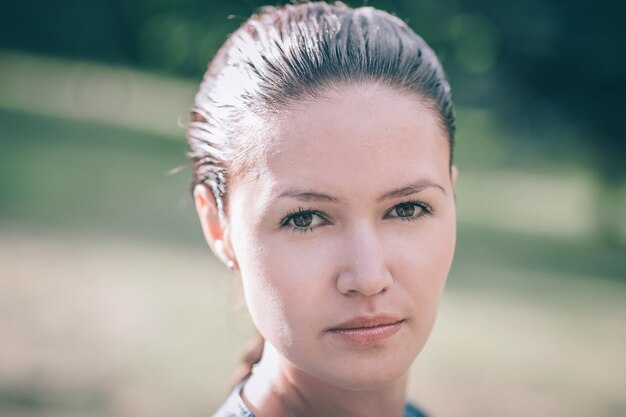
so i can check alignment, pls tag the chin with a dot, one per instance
(367, 381)
(365, 374)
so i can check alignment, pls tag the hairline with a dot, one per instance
(241, 168)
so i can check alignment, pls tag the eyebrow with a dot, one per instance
(312, 196)
(309, 196)
(411, 189)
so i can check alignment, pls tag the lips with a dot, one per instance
(367, 330)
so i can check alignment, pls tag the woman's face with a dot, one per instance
(344, 234)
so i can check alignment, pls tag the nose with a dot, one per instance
(364, 269)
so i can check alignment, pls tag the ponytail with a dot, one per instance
(252, 356)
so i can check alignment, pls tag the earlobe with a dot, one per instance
(212, 226)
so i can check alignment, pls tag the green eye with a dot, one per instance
(410, 210)
(302, 219)
(405, 210)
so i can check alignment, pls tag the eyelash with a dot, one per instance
(284, 223)
(426, 209)
(299, 212)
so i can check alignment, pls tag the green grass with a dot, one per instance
(81, 177)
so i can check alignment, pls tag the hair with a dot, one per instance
(282, 56)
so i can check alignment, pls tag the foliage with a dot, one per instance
(551, 68)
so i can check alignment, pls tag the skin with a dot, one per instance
(380, 240)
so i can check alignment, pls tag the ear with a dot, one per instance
(454, 175)
(215, 232)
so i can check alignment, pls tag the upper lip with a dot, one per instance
(361, 322)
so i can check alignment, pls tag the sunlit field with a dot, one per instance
(111, 305)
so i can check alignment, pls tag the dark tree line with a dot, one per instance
(534, 62)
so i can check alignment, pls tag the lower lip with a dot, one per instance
(364, 336)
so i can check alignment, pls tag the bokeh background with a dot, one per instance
(111, 305)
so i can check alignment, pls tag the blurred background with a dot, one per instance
(111, 304)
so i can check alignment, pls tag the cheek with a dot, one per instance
(266, 305)
(423, 262)
(261, 295)
(283, 285)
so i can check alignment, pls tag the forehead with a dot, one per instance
(360, 139)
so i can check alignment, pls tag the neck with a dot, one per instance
(277, 388)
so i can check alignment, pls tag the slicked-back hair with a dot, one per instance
(291, 54)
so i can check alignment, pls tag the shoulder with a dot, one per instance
(412, 411)
(234, 405)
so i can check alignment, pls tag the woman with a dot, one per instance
(321, 144)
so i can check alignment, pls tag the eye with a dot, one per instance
(410, 210)
(304, 220)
